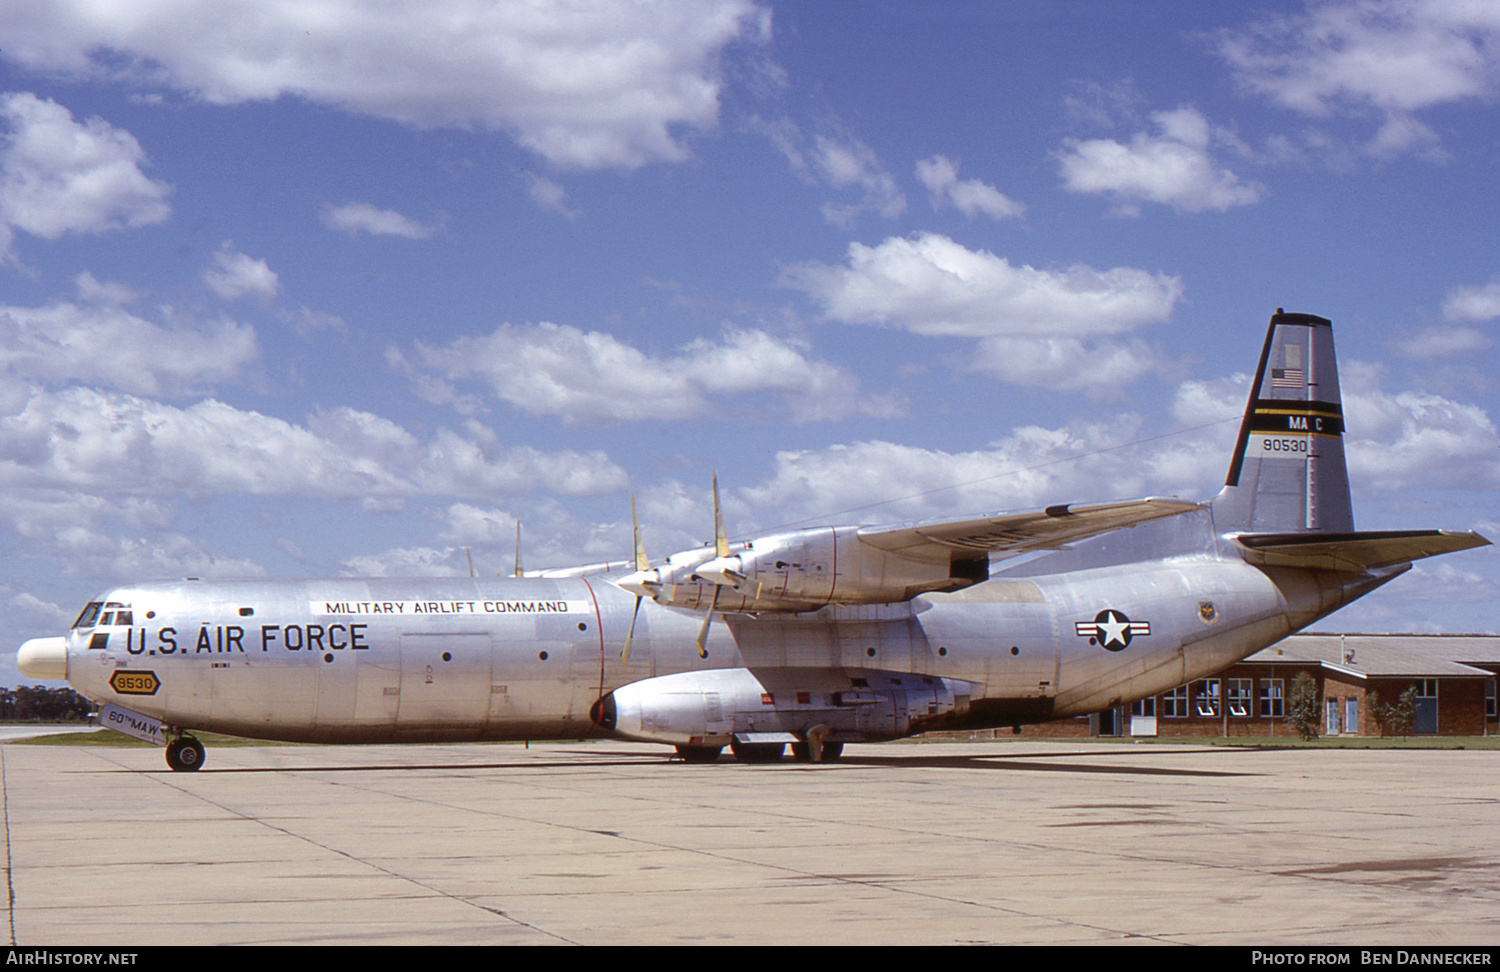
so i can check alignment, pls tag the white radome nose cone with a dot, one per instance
(43, 658)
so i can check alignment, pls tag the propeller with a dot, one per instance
(642, 567)
(647, 581)
(721, 553)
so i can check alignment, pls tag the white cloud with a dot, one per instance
(1102, 369)
(849, 163)
(931, 285)
(1374, 57)
(91, 291)
(1442, 342)
(588, 83)
(873, 482)
(970, 197)
(108, 345)
(1473, 303)
(58, 177)
(1173, 168)
(358, 217)
(80, 439)
(75, 533)
(1398, 441)
(235, 275)
(549, 195)
(1035, 327)
(841, 162)
(551, 369)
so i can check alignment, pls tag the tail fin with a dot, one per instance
(1288, 473)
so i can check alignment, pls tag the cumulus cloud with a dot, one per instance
(58, 176)
(587, 83)
(1174, 168)
(552, 369)
(1403, 440)
(1037, 327)
(107, 345)
(1031, 466)
(82, 439)
(1377, 58)
(969, 196)
(931, 285)
(234, 275)
(357, 217)
(1473, 303)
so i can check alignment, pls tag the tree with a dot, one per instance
(39, 703)
(1399, 718)
(1302, 709)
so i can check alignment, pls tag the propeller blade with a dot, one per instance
(518, 548)
(641, 561)
(702, 640)
(630, 635)
(721, 542)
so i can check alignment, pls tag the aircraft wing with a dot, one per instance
(1012, 534)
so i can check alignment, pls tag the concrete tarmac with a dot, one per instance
(612, 843)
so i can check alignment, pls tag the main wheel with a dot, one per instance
(757, 752)
(185, 755)
(802, 752)
(699, 754)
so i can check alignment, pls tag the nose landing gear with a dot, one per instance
(185, 754)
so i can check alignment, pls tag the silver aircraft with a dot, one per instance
(825, 636)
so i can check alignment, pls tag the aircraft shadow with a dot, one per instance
(1029, 762)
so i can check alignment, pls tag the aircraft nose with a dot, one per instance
(43, 658)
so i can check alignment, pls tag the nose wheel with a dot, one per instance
(185, 754)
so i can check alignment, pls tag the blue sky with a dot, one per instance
(325, 287)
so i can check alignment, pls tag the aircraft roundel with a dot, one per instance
(1111, 629)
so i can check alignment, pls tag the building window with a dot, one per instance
(1144, 707)
(1206, 697)
(1271, 698)
(1239, 697)
(1489, 698)
(1174, 703)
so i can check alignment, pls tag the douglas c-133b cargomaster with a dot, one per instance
(814, 637)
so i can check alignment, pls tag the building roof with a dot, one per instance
(1388, 655)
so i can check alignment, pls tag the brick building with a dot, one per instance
(1454, 676)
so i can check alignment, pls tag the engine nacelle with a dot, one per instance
(800, 571)
(708, 708)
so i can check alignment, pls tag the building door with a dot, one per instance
(1426, 721)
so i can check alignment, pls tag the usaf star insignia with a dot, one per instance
(1112, 629)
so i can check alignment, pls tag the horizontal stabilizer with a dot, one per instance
(1012, 534)
(1368, 550)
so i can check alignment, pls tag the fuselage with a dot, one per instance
(372, 660)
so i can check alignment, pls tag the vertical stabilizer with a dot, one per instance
(1288, 473)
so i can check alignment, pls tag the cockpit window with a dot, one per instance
(89, 615)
